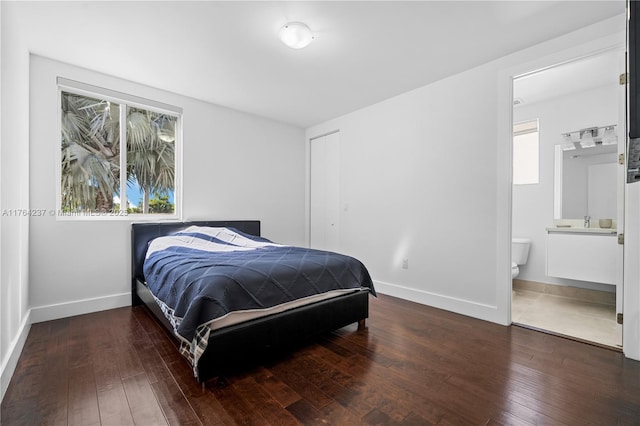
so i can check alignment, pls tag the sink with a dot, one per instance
(582, 230)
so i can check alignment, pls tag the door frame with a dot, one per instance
(331, 153)
(618, 67)
(505, 166)
(308, 161)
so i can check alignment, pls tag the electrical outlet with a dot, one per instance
(405, 263)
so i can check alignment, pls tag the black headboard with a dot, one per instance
(143, 233)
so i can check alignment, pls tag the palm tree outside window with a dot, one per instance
(117, 157)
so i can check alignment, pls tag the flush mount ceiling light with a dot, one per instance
(296, 35)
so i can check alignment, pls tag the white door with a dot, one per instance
(325, 193)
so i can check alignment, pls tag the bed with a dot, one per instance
(225, 340)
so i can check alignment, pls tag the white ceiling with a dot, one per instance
(228, 53)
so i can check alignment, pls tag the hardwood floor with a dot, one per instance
(413, 365)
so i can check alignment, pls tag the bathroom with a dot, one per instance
(570, 281)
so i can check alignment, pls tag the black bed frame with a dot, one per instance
(274, 331)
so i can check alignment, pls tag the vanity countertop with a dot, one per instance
(582, 230)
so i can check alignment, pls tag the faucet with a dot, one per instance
(586, 221)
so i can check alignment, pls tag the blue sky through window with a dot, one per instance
(134, 194)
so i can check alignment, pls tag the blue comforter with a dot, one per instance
(201, 274)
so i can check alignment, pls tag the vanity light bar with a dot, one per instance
(590, 137)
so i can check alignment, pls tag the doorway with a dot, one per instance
(325, 192)
(579, 109)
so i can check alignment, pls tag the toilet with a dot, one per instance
(519, 254)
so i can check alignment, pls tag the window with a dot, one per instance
(526, 156)
(118, 154)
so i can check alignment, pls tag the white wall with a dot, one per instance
(225, 176)
(235, 166)
(418, 176)
(533, 204)
(426, 176)
(14, 177)
(3, 344)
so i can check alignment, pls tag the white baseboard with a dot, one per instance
(459, 306)
(79, 307)
(52, 312)
(13, 354)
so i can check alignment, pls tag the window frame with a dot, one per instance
(125, 101)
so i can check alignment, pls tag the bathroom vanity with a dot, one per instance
(588, 186)
(584, 254)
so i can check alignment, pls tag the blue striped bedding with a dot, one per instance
(201, 274)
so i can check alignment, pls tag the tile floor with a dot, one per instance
(594, 322)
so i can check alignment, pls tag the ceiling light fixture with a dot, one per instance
(296, 35)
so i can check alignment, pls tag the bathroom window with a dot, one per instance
(526, 153)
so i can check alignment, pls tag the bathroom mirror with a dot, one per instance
(585, 182)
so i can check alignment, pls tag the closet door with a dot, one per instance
(325, 193)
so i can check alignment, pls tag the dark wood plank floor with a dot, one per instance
(413, 365)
